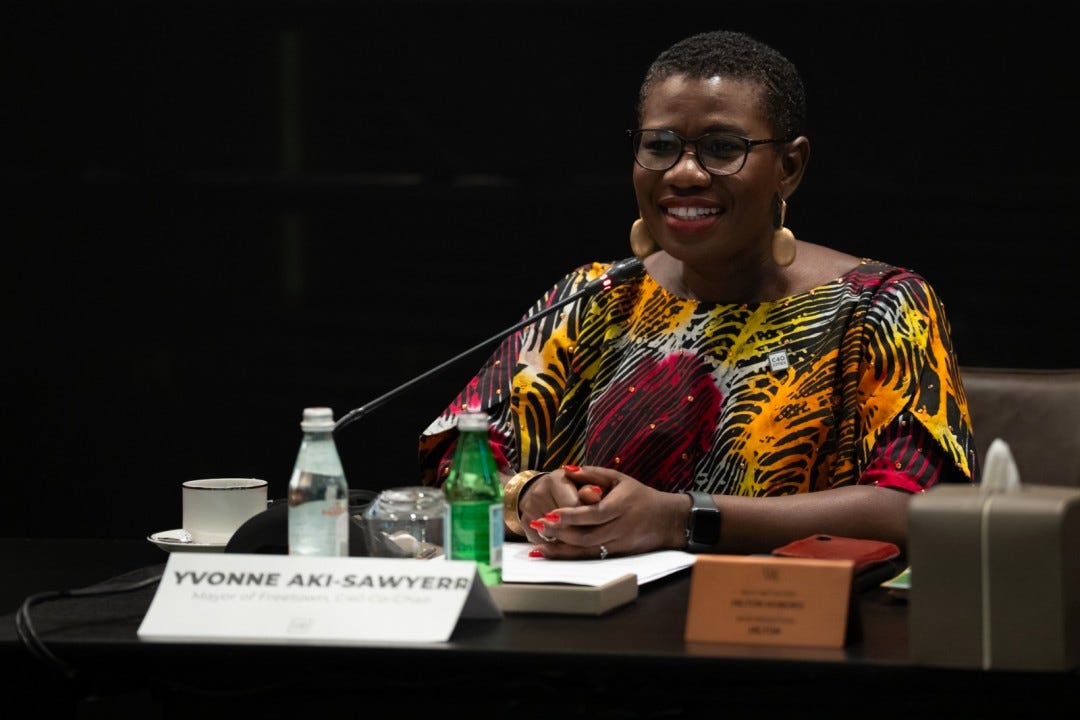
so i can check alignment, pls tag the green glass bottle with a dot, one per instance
(473, 527)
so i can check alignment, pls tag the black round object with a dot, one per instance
(268, 532)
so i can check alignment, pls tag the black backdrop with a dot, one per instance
(218, 213)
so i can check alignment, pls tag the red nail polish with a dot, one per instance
(598, 489)
(571, 468)
(535, 553)
(551, 518)
(537, 524)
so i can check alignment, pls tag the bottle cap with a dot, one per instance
(317, 418)
(472, 421)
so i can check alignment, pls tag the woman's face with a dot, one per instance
(693, 215)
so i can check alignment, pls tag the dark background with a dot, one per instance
(218, 213)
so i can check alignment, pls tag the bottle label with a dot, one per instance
(319, 527)
(318, 512)
(474, 531)
(495, 533)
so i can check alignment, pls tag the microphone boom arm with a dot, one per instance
(617, 272)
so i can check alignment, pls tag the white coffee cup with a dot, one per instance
(213, 508)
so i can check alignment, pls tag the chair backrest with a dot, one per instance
(1036, 412)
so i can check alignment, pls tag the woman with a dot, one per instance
(748, 389)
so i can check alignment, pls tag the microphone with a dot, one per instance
(619, 272)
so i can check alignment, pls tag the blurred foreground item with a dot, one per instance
(995, 572)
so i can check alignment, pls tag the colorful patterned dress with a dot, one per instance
(854, 381)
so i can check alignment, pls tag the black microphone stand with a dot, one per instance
(616, 273)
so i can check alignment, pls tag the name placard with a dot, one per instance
(769, 600)
(283, 599)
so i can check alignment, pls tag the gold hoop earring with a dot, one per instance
(783, 240)
(641, 242)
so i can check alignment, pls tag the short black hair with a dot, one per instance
(736, 55)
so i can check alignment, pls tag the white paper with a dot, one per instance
(518, 567)
(283, 599)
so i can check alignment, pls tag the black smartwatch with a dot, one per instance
(703, 527)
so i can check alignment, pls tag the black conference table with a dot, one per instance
(630, 662)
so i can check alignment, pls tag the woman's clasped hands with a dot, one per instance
(590, 512)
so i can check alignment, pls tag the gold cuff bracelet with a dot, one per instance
(511, 492)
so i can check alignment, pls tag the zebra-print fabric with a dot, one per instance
(682, 394)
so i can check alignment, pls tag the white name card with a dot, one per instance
(283, 599)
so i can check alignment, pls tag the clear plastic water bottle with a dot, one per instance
(318, 494)
(474, 501)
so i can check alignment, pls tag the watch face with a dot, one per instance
(706, 527)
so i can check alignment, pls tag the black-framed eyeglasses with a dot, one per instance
(718, 152)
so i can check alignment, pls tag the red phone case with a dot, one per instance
(833, 547)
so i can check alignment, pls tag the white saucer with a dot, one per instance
(167, 541)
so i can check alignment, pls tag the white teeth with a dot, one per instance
(690, 213)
